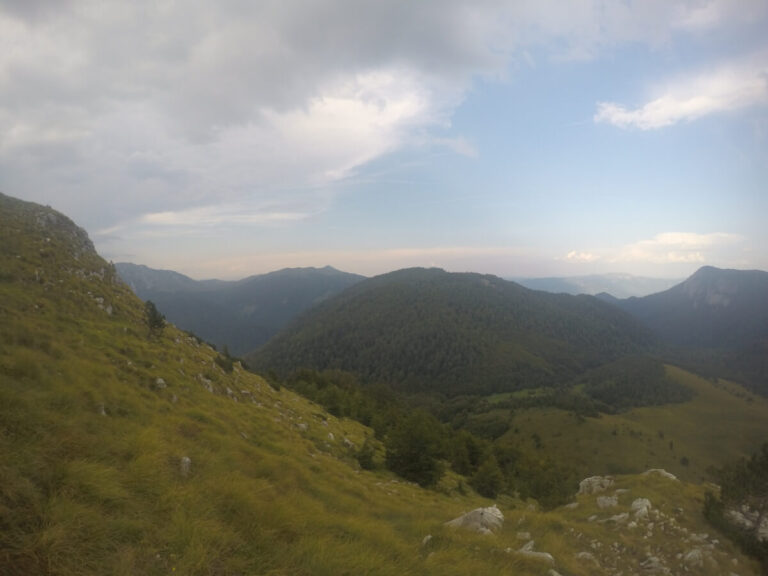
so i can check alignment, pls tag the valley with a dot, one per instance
(135, 448)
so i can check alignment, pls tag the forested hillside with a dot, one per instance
(430, 330)
(131, 447)
(715, 322)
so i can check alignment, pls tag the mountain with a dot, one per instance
(715, 322)
(241, 315)
(430, 330)
(617, 285)
(134, 451)
(714, 308)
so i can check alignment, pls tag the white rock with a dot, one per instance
(545, 557)
(641, 507)
(607, 501)
(660, 472)
(185, 465)
(694, 558)
(482, 520)
(587, 557)
(595, 484)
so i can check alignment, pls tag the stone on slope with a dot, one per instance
(595, 484)
(481, 520)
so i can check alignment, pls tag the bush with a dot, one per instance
(155, 320)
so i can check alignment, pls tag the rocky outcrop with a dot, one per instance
(527, 551)
(747, 519)
(481, 520)
(660, 472)
(595, 484)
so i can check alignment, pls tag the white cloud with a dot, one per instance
(581, 257)
(731, 87)
(112, 111)
(681, 247)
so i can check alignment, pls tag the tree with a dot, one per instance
(489, 480)
(415, 447)
(155, 320)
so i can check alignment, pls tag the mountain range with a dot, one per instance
(430, 330)
(714, 308)
(131, 448)
(241, 315)
(617, 285)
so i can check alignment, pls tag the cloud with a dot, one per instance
(729, 88)
(681, 247)
(111, 111)
(581, 257)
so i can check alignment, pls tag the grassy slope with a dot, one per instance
(723, 422)
(91, 444)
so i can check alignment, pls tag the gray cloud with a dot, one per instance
(112, 111)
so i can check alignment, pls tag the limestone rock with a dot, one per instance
(607, 501)
(746, 518)
(528, 552)
(595, 484)
(587, 557)
(185, 465)
(482, 520)
(641, 507)
(694, 558)
(654, 565)
(660, 472)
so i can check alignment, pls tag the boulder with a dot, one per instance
(654, 565)
(527, 551)
(595, 484)
(641, 507)
(660, 472)
(607, 501)
(587, 557)
(481, 520)
(694, 558)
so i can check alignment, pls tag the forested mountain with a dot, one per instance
(714, 308)
(617, 285)
(130, 447)
(241, 315)
(716, 321)
(430, 330)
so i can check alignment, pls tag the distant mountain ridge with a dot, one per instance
(242, 314)
(714, 308)
(617, 285)
(715, 322)
(431, 330)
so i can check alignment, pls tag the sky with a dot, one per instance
(517, 138)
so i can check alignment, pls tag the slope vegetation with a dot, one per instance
(131, 452)
(430, 330)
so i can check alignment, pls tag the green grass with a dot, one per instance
(92, 445)
(721, 423)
